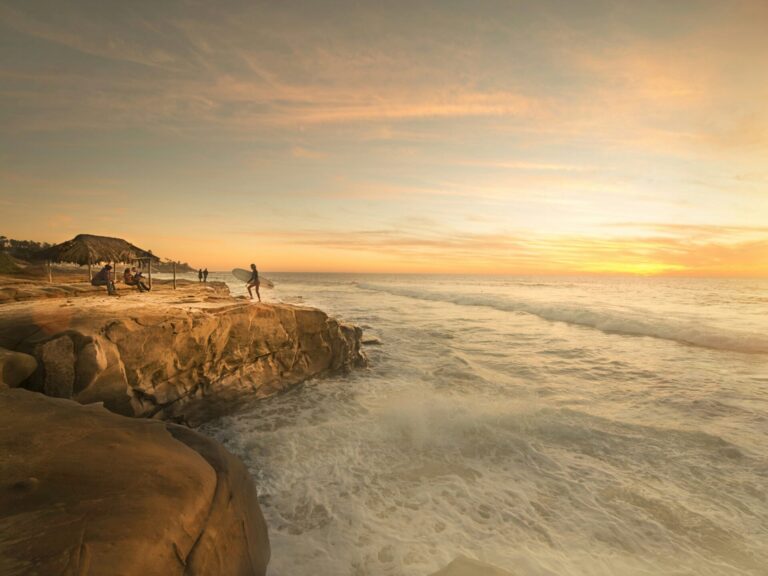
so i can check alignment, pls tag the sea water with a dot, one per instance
(570, 426)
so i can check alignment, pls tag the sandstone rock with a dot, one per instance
(15, 367)
(160, 356)
(18, 289)
(57, 358)
(85, 491)
(463, 566)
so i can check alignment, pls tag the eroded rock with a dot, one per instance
(15, 367)
(85, 491)
(168, 359)
(57, 359)
(463, 566)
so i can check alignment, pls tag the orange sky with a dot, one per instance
(486, 137)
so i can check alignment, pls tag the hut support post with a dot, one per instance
(90, 272)
(50, 272)
(174, 275)
(149, 272)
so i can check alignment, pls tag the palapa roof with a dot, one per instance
(90, 249)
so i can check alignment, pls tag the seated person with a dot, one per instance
(138, 281)
(128, 277)
(102, 278)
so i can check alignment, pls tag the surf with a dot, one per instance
(610, 321)
(484, 430)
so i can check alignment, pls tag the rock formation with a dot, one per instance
(25, 289)
(85, 491)
(15, 368)
(180, 357)
(463, 566)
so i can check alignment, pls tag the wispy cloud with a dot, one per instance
(302, 152)
(527, 166)
(83, 34)
(699, 232)
(548, 116)
(435, 249)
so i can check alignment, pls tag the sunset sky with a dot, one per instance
(541, 136)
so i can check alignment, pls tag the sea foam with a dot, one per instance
(611, 321)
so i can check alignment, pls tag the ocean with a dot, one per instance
(568, 426)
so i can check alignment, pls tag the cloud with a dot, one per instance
(438, 249)
(553, 115)
(699, 232)
(87, 35)
(527, 166)
(301, 152)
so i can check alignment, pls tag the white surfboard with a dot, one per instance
(245, 275)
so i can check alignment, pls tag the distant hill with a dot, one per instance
(167, 266)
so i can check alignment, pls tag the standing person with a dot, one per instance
(102, 278)
(200, 275)
(205, 275)
(253, 282)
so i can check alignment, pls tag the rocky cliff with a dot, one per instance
(85, 491)
(184, 355)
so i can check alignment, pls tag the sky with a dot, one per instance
(514, 137)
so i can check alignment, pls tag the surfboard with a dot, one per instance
(245, 275)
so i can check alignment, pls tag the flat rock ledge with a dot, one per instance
(85, 491)
(185, 356)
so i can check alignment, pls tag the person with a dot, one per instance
(139, 281)
(253, 282)
(128, 277)
(200, 274)
(205, 275)
(102, 278)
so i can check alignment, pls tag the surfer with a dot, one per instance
(205, 274)
(253, 282)
(200, 275)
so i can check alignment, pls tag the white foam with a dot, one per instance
(572, 453)
(416, 478)
(612, 321)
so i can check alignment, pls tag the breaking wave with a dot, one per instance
(610, 321)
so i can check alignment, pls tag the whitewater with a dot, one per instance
(569, 426)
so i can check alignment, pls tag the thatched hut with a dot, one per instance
(87, 249)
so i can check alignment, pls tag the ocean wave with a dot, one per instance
(609, 321)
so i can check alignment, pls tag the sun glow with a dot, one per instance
(395, 142)
(635, 268)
